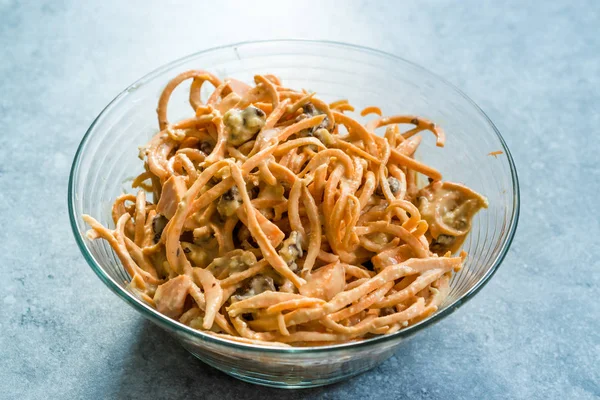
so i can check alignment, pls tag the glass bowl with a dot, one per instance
(107, 158)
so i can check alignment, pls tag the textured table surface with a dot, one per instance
(534, 67)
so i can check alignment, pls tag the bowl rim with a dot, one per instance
(169, 323)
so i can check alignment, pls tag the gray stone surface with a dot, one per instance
(533, 66)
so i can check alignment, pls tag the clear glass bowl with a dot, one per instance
(107, 159)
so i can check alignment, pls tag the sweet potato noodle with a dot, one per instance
(272, 217)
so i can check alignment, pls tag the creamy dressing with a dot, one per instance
(448, 209)
(229, 202)
(291, 250)
(243, 125)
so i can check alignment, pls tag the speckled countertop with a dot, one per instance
(533, 66)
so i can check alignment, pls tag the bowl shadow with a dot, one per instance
(159, 367)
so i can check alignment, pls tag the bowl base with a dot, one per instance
(287, 380)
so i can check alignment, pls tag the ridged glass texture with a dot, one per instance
(107, 159)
